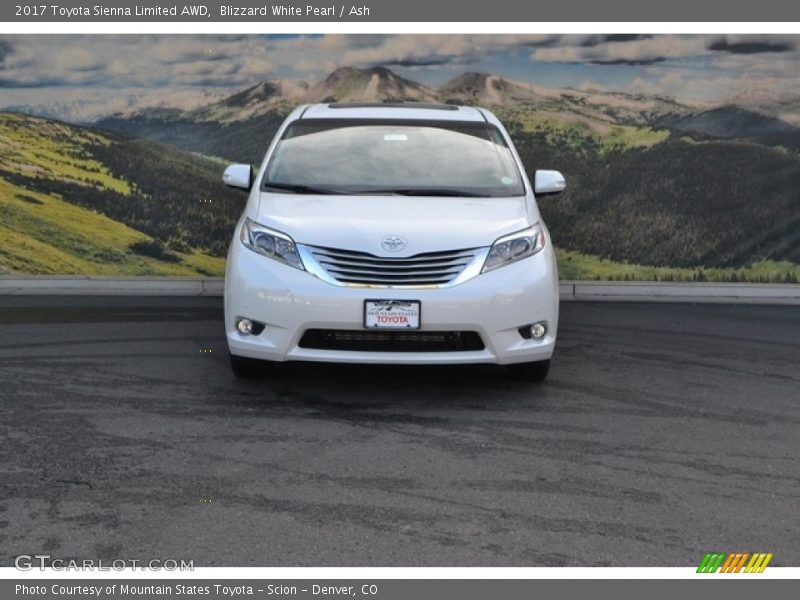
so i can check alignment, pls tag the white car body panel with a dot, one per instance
(290, 301)
(361, 222)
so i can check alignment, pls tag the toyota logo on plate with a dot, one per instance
(393, 243)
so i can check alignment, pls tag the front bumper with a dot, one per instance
(290, 301)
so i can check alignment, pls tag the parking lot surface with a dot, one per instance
(663, 431)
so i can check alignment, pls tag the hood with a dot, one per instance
(362, 222)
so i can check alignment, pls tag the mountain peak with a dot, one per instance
(474, 87)
(469, 78)
(359, 75)
(255, 100)
(258, 93)
(342, 73)
(370, 83)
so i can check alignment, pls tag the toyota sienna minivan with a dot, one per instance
(401, 233)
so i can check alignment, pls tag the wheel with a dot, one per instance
(531, 371)
(247, 368)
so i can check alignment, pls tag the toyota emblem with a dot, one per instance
(393, 243)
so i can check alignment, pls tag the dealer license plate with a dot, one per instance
(391, 314)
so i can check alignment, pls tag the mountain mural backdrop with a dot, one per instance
(657, 189)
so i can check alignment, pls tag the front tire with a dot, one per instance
(532, 372)
(247, 368)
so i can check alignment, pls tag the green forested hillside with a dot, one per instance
(76, 201)
(237, 141)
(733, 122)
(677, 203)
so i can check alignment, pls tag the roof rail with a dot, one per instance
(393, 104)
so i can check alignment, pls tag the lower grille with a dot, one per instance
(391, 341)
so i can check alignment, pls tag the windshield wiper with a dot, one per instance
(299, 188)
(422, 192)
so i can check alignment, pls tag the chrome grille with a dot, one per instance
(428, 268)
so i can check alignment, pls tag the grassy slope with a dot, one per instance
(572, 130)
(45, 233)
(578, 266)
(42, 148)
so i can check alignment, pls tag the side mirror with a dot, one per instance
(548, 182)
(238, 176)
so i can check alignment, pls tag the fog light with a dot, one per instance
(244, 326)
(538, 330)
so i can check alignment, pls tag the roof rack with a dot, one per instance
(393, 104)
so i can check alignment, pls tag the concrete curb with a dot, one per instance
(79, 285)
(644, 291)
(608, 291)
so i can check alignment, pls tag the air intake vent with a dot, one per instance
(391, 341)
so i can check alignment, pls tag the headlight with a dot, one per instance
(514, 247)
(273, 244)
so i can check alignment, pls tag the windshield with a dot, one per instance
(337, 156)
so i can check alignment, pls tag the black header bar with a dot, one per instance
(255, 11)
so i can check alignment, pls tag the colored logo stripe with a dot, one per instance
(734, 562)
(711, 562)
(732, 559)
(758, 563)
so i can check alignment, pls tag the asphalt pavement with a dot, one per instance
(663, 431)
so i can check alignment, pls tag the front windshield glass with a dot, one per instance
(403, 157)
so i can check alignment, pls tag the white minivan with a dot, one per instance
(401, 233)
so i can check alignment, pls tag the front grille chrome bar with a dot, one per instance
(350, 268)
